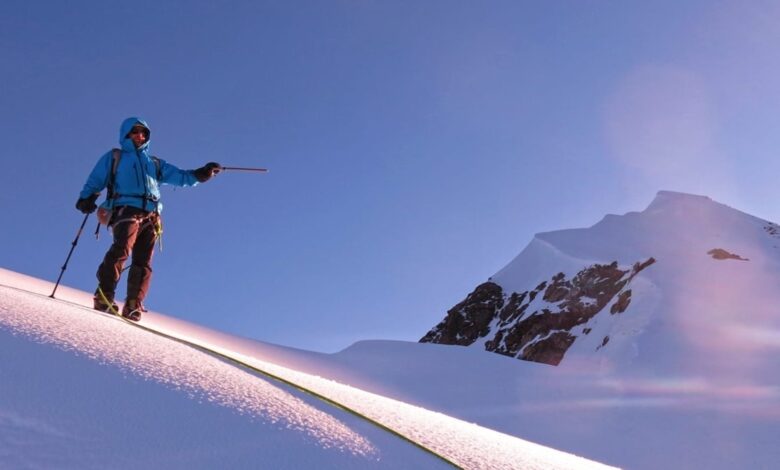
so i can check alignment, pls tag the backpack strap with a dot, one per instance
(116, 154)
(157, 165)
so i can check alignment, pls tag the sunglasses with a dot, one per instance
(139, 130)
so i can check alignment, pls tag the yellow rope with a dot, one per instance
(108, 303)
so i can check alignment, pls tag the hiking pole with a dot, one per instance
(73, 247)
(238, 168)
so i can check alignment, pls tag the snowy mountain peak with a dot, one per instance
(667, 198)
(691, 208)
(633, 290)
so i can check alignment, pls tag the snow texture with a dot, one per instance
(84, 390)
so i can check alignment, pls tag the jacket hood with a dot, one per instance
(128, 124)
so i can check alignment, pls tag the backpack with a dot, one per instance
(105, 211)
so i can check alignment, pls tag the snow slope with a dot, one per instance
(83, 390)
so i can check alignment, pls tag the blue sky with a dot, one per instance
(415, 147)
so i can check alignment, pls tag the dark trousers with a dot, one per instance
(135, 231)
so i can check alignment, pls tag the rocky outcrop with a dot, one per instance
(537, 325)
(721, 254)
(469, 319)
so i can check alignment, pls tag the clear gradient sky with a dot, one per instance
(415, 147)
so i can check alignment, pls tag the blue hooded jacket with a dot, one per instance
(136, 183)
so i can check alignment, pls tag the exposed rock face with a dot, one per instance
(537, 325)
(471, 318)
(721, 254)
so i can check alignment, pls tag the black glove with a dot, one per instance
(87, 205)
(205, 172)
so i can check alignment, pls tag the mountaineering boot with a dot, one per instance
(99, 304)
(132, 309)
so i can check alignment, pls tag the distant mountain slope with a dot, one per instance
(539, 324)
(674, 279)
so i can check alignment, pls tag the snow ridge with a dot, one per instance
(178, 366)
(200, 376)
